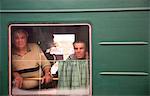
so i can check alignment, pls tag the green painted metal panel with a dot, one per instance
(106, 26)
(120, 27)
(70, 4)
(0, 54)
(149, 45)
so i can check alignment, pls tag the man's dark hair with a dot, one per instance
(80, 41)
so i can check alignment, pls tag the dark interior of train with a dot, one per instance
(44, 35)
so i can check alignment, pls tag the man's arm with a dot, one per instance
(46, 66)
(47, 75)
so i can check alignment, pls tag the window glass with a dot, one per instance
(50, 59)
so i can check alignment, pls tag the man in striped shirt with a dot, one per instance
(28, 61)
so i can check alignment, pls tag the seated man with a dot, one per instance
(74, 72)
(28, 61)
(80, 51)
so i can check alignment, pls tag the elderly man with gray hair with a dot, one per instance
(28, 61)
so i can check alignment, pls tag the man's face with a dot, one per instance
(79, 49)
(20, 40)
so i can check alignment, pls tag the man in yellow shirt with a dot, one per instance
(28, 61)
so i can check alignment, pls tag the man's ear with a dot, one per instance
(86, 55)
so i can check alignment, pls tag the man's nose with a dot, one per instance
(19, 40)
(78, 50)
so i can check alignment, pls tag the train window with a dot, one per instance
(50, 59)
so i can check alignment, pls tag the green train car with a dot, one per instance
(116, 32)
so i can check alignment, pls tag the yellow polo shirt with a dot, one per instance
(32, 59)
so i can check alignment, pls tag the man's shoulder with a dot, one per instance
(33, 46)
(71, 57)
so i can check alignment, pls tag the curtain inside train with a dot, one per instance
(73, 74)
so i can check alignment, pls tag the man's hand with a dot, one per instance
(18, 80)
(46, 78)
